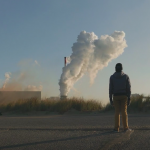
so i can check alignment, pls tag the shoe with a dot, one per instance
(115, 130)
(128, 130)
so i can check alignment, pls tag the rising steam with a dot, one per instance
(22, 80)
(7, 77)
(34, 88)
(89, 55)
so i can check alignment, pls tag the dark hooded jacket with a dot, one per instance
(119, 84)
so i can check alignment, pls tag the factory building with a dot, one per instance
(9, 96)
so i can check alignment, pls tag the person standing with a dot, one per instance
(119, 95)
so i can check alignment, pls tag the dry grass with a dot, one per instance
(60, 106)
(138, 104)
(79, 104)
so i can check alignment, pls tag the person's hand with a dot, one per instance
(128, 103)
(111, 102)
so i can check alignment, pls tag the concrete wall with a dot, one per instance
(8, 96)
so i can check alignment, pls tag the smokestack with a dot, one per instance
(63, 97)
(90, 54)
(65, 61)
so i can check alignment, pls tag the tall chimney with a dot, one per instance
(65, 61)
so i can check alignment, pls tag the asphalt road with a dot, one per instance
(73, 132)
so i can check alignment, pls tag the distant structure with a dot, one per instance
(135, 95)
(63, 97)
(54, 98)
(9, 96)
(65, 61)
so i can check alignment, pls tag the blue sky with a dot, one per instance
(45, 30)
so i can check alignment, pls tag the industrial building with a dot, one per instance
(9, 96)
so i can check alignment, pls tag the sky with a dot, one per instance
(36, 35)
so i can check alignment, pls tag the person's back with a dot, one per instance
(120, 89)
(121, 84)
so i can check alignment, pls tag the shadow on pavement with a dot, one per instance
(58, 140)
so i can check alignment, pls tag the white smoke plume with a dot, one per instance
(34, 88)
(68, 60)
(7, 77)
(36, 63)
(89, 55)
(22, 79)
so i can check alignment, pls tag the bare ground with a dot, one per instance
(72, 131)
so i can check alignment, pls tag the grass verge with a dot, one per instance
(138, 104)
(60, 106)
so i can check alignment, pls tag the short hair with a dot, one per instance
(118, 67)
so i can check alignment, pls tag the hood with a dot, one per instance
(119, 74)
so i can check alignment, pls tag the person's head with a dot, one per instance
(118, 67)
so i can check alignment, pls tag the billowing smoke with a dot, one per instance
(34, 88)
(7, 77)
(89, 55)
(22, 80)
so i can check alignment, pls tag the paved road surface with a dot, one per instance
(73, 132)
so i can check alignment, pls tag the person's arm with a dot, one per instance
(128, 89)
(110, 90)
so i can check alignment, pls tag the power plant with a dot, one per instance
(90, 54)
(63, 97)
